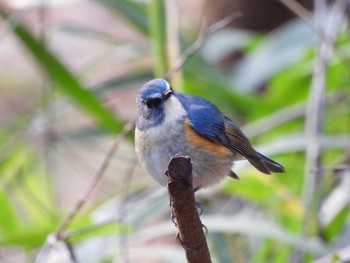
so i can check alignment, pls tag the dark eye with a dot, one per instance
(153, 103)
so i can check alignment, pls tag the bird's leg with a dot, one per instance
(199, 208)
(205, 229)
(198, 205)
(200, 211)
(196, 189)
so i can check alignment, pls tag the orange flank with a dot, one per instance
(204, 144)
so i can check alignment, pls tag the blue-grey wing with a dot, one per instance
(205, 118)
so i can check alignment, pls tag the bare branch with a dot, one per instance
(285, 115)
(94, 183)
(203, 36)
(299, 10)
(326, 37)
(56, 250)
(184, 209)
(315, 110)
(173, 40)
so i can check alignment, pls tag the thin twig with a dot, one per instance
(287, 114)
(203, 36)
(315, 114)
(94, 183)
(316, 103)
(299, 10)
(305, 15)
(54, 247)
(315, 108)
(335, 169)
(90, 228)
(123, 211)
(173, 40)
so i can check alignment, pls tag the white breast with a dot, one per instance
(155, 145)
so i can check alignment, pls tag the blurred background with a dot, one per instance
(69, 73)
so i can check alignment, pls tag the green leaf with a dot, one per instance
(267, 191)
(291, 41)
(132, 12)
(99, 230)
(11, 164)
(337, 224)
(272, 251)
(263, 253)
(9, 221)
(282, 254)
(205, 80)
(33, 193)
(65, 79)
(30, 235)
(158, 36)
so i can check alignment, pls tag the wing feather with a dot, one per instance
(207, 120)
(241, 144)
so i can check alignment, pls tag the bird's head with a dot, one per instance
(151, 100)
(153, 95)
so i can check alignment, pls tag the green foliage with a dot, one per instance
(9, 221)
(67, 82)
(334, 228)
(106, 229)
(274, 76)
(158, 36)
(269, 192)
(131, 11)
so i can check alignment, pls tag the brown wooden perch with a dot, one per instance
(183, 205)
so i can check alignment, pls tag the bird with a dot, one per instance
(170, 123)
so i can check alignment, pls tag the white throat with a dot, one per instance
(173, 110)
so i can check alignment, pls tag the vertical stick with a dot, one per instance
(173, 41)
(157, 32)
(184, 209)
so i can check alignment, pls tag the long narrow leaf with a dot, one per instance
(66, 81)
(8, 219)
(158, 36)
(132, 12)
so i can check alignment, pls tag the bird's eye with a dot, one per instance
(153, 103)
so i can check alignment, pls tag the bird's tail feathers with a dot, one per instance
(271, 165)
(258, 163)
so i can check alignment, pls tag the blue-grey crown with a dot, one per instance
(156, 89)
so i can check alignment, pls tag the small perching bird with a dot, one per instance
(170, 123)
